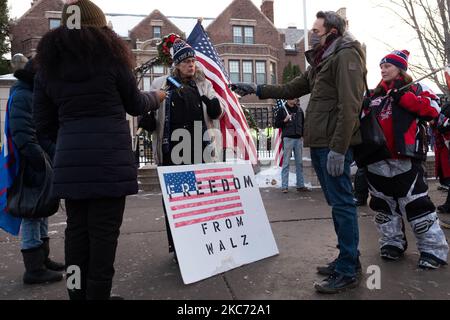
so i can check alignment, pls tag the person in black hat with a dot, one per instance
(192, 105)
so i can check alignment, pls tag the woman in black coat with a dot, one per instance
(83, 90)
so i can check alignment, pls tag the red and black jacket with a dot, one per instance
(404, 124)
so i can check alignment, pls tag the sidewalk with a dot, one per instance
(304, 233)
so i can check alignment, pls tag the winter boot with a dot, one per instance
(51, 265)
(35, 270)
(445, 208)
(391, 253)
(429, 262)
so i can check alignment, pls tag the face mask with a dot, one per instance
(315, 40)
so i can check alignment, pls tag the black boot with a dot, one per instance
(100, 290)
(35, 270)
(51, 265)
(445, 208)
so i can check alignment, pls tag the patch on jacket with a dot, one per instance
(353, 66)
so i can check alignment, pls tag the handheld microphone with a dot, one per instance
(174, 82)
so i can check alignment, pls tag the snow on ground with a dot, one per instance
(271, 178)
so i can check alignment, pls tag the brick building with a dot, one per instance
(251, 46)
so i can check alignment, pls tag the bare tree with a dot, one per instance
(430, 21)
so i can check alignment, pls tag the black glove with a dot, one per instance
(147, 122)
(446, 110)
(213, 107)
(243, 89)
(397, 92)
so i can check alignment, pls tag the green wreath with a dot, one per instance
(164, 48)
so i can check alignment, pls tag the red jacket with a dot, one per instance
(404, 125)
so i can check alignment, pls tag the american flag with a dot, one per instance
(234, 118)
(277, 138)
(203, 195)
(9, 169)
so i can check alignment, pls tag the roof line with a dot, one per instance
(145, 15)
(126, 14)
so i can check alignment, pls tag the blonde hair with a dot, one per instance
(408, 79)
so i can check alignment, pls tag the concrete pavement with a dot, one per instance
(305, 237)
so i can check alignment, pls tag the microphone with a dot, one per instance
(174, 82)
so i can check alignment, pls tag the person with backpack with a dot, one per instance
(398, 184)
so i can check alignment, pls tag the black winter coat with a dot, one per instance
(293, 128)
(23, 130)
(85, 113)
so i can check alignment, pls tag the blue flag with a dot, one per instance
(9, 164)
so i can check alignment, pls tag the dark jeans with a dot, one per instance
(93, 228)
(339, 195)
(361, 185)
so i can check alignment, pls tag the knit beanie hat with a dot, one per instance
(398, 59)
(181, 51)
(91, 14)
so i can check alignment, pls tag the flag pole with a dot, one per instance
(305, 32)
(424, 77)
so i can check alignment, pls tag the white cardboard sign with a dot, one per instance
(217, 218)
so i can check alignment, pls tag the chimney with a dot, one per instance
(267, 9)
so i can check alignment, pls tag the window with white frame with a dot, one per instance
(235, 75)
(260, 72)
(159, 69)
(247, 71)
(156, 32)
(248, 35)
(273, 74)
(237, 34)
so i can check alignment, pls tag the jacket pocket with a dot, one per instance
(317, 128)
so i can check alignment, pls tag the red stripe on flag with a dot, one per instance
(176, 199)
(213, 170)
(231, 184)
(215, 178)
(204, 203)
(208, 210)
(217, 217)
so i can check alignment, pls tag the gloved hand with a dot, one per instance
(243, 89)
(446, 110)
(335, 164)
(147, 122)
(396, 93)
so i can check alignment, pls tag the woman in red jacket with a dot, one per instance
(397, 185)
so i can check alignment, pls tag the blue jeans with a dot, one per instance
(290, 145)
(33, 230)
(339, 195)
